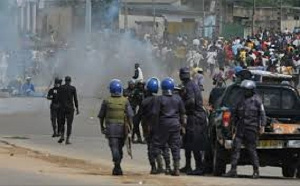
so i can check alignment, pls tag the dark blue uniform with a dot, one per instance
(67, 97)
(149, 112)
(54, 110)
(248, 116)
(171, 112)
(195, 139)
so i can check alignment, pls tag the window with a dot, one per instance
(288, 99)
(271, 98)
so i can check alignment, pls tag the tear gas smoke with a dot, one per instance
(90, 64)
(108, 56)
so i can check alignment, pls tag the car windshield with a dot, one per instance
(271, 98)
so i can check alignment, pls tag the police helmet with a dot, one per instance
(285, 83)
(248, 84)
(152, 85)
(115, 87)
(67, 79)
(237, 69)
(57, 81)
(167, 86)
(184, 73)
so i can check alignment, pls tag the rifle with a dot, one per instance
(128, 140)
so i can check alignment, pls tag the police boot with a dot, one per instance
(168, 167)
(198, 171)
(117, 171)
(139, 139)
(187, 167)
(160, 168)
(255, 174)
(62, 139)
(231, 174)
(153, 169)
(176, 171)
(68, 141)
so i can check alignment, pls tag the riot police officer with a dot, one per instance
(171, 120)
(195, 139)
(249, 118)
(114, 111)
(137, 98)
(129, 90)
(54, 107)
(149, 113)
(67, 97)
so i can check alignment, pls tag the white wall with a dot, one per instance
(290, 24)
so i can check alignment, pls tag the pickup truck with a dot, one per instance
(279, 146)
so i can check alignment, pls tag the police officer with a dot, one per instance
(67, 97)
(195, 139)
(112, 120)
(137, 98)
(249, 118)
(54, 107)
(171, 121)
(128, 92)
(149, 112)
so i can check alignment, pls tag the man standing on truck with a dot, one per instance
(249, 118)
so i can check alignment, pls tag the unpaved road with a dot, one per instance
(29, 156)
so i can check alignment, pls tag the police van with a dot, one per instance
(279, 146)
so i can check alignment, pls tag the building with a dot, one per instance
(54, 19)
(151, 16)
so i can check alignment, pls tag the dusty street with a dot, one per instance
(29, 156)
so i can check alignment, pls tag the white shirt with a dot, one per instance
(211, 57)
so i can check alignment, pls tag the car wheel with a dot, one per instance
(288, 171)
(219, 163)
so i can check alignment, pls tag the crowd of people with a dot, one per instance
(274, 52)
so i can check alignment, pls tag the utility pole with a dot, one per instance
(253, 17)
(203, 19)
(154, 17)
(88, 17)
(280, 16)
(125, 15)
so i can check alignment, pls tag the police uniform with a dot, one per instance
(171, 112)
(54, 110)
(136, 100)
(195, 139)
(249, 116)
(149, 112)
(67, 97)
(113, 111)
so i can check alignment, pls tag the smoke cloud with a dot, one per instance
(91, 64)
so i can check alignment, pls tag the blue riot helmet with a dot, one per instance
(115, 87)
(152, 85)
(237, 69)
(167, 86)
